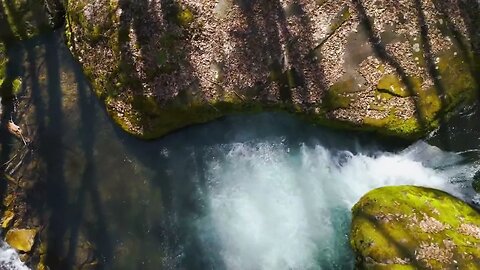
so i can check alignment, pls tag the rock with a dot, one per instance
(7, 218)
(347, 64)
(408, 227)
(21, 239)
(476, 182)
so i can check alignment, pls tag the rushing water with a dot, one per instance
(9, 259)
(273, 207)
(263, 191)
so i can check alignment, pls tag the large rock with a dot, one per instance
(408, 227)
(21, 239)
(397, 67)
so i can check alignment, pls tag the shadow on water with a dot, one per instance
(54, 198)
(88, 189)
(12, 71)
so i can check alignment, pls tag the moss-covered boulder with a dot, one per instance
(408, 227)
(160, 66)
(21, 239)
(23, 19)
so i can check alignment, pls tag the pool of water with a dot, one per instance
(265, 191)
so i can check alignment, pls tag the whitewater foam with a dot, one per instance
(9, 259)
(270, 207)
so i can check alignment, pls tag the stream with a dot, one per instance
(265, 191)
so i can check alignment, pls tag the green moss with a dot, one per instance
(396, 126)
(336, 97)
(458, 84)
(455, 83)
(155, 121)
(392, 85)
(393, 223)
(185, 17)
(15, 84)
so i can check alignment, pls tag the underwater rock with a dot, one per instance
(476, 182)
(345, 65)
(21, 239)
(409, 227)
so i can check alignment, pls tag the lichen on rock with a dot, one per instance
(408, 227)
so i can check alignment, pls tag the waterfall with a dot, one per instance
(272, 207)
(9, 259)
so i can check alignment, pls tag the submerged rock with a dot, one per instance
(476, 182)
(21, 239)
(408, 227)
(376, 65)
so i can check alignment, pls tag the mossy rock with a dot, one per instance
(455, 85)
(21, 239)
(139, 60)
(340, 95)
(409, 227)
(392, 85)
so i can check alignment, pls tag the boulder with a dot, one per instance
(408, 227)
(396, 68)
(21, 239)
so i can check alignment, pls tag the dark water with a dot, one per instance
(263, 191)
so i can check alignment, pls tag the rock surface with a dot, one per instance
(21, 239)
(398, 67)
(408, 227)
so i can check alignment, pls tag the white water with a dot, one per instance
(9, 259)
(272, 208)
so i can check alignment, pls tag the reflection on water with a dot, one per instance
(261, 191)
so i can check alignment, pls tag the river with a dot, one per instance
(265, 191)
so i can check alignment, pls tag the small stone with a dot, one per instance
(416, 47)
(7, 218)
(8, 200)
(21, 239)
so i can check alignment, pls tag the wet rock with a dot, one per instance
(408, 227)
(21, 239)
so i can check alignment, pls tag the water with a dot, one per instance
(273, 207)
(263, 191)
(9, 259)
